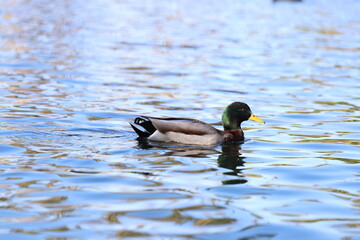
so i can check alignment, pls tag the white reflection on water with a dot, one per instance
(73, 74)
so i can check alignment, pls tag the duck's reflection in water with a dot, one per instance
(178, 149)
(229, 156)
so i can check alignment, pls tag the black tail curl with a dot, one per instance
(143, 126)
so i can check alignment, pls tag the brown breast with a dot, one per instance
(233, 135)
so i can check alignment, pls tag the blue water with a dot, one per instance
(72, 74)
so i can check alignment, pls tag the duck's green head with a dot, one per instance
(235, 114)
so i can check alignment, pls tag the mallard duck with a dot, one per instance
(192, 131)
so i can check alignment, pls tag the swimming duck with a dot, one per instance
(192, 131)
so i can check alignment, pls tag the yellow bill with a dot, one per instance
(256, 119)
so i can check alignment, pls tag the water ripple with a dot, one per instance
(72, 168)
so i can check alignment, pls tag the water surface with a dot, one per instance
(73, 74)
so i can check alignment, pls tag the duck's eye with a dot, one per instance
(241, 109)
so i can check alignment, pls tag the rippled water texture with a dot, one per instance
(73, 73)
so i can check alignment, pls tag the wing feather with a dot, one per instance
(183, 125)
